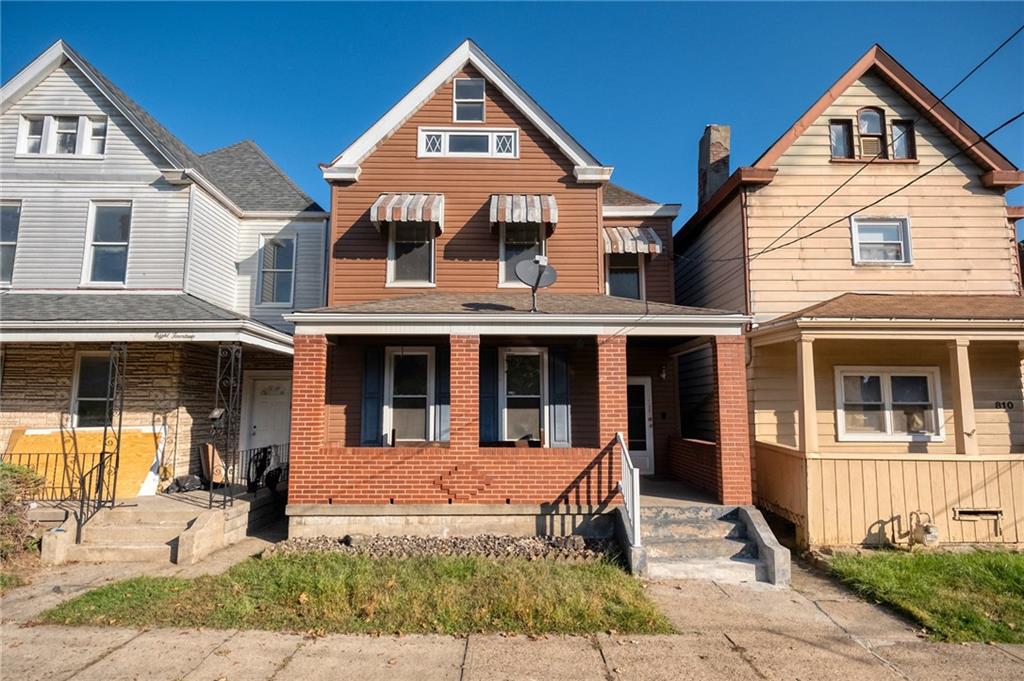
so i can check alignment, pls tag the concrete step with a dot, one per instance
(706, 527)
(132, 533)
(121, 553)
(128, 516)
(729, 571)
(698, 548)
(691, 512)
(49, 515)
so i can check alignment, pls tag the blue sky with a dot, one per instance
(635, 83)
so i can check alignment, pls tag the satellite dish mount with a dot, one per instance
(536, 273)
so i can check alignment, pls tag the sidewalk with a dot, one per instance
(813, 631)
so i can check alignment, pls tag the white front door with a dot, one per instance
(641, 423)
(268, 417)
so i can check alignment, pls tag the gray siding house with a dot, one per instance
(131, 265)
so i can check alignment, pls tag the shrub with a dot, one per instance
(17, 483)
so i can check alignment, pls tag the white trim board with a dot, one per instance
(644, 210)
(347, 165)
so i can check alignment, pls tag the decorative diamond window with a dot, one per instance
(504, 144)
(432, 144)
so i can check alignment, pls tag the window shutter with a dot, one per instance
(373, 396)
(558, 370)
(489, 395)
(442, 394)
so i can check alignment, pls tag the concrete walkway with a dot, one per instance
(813, 631)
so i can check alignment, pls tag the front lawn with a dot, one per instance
(976, 596)
(338, 593)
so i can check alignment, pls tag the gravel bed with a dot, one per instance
(574, 548)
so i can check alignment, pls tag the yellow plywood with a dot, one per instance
(139, 452)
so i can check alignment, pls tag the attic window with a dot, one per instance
(469, 142)
(871, 125)
(468, 106)
(62, 136)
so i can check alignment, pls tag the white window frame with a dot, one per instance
(904, 223)
(932, 373)
(260, 270)
(503, 395)
(19, 204)
(73, 416)
(391, 283)
(501, 254)
(490, 133)
(48, 143)
(89, 244)
(608, 270)
(456, 101)
(390, 353)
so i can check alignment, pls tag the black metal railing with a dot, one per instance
(61, 473)
(95, 491)
(246, 471)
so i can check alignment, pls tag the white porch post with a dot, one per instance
(965, 424)
(808, 401)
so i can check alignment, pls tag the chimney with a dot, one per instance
(712, 161)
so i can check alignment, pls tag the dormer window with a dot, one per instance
(871, 125)
(468, 106)
(62, 136)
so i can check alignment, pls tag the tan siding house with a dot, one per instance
(884, 378)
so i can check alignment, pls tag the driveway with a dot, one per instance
(813, 631)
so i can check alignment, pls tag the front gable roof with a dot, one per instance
(246, 177)
(346, 166)
(999, 170)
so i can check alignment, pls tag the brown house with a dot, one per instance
(428, 397)
(873, 247)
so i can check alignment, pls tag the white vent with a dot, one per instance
(870, 147)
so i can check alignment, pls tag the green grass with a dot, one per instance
(10, 581)
(323, 593)
(976, 596)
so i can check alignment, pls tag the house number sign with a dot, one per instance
(1004, 404)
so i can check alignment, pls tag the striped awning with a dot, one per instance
(631, 240)
(539, 208)
(405, 207)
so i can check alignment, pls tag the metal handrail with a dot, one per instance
(96, 492)
(629, 486)
(61, 472)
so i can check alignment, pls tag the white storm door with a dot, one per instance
(640, 438)
(269, 418)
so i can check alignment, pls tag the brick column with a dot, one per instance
(309, 399)
(611, 388)
(732, 432)
(465, 394)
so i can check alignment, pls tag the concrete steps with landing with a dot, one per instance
(123, 535)
(120, 553)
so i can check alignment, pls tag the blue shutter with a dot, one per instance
(489, 395)
(442, 394)
(558, 389)
(373, 396)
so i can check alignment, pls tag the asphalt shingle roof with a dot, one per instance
(515, 303)
(913, 306)
(614, 195)
(119, 307)
(242, 171)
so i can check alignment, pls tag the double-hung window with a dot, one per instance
(888, 403)
(409, 395)
(62, 135)
(871, 126)
(904, 146)
(881, 241)
(626, 275)
(411, 254)
(277, 270)
(10, 220)
(520, 241)
(522, 386)
(32, 137)
(106, 260)
(469, 100)
(90, 400)
(841, 138)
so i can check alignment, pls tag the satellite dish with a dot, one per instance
(536, 273)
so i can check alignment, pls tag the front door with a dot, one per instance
(641, 423)
(269, 410)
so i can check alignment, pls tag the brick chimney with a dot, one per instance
(712, 161)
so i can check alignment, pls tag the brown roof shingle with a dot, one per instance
(515, 303)
(909, 306)
(614, 195)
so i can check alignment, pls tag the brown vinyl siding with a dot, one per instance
(658, 275)
(466, 254)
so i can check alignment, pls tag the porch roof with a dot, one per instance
(918, 313)
(509, 312)
(129, 317)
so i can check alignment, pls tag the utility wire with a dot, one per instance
(771, 247)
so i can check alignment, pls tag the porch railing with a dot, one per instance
(96, 489)
(61, 473)
(247, 471)
(629, 486)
